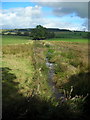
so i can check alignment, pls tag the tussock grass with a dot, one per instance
(17, 72)
(27, 63)
(70, 40)
(26, 94)
(70, 59)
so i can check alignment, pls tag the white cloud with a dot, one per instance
(59, 23)
(29, 17)
(20, 17)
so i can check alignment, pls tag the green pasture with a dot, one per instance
(12, 39)
(76, 35)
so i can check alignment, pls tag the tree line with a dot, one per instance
(41, 33)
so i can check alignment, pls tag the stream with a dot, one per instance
(55, 90)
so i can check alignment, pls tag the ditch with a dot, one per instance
(55, 92)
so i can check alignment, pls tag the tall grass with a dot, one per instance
(69, 61)
(26, 93)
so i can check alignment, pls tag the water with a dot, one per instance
(55, 91)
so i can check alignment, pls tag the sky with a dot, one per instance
(45, 0)
(63, 15)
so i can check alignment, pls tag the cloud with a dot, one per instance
(80, 9)
(64, 8)
(28, 17)
(63, 24)
(20, 17)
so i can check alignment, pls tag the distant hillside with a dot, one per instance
(29, 30)
(49, 29)
(58, 30)
(59, 33)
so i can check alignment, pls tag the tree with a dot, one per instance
(40, 33)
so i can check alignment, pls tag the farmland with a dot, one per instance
(10, 39)
(70, 40)
(26, 92)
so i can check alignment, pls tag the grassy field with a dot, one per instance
(71, 65)
(26, 93)
(10, 39)
(70, 40)
(22, 67)
(76, 35)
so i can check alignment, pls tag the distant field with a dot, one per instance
(77, 35)
(70, 40)
(10, 39)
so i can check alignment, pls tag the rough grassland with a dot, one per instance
(23, 70)
(70, 40)
(71, 65)
(26, 93)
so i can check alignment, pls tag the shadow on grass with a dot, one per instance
(8, 84)
(17, 107)
(80, 82)
(81, 86)
(9, 90)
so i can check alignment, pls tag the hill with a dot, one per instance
(59, 33)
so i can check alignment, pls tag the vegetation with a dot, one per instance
(88, 35)
(26, 92)
(51, 33)
(71, 66)
(40, 33)
(69, 59)
(13, 39)
(70, 40)
(73, 34)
